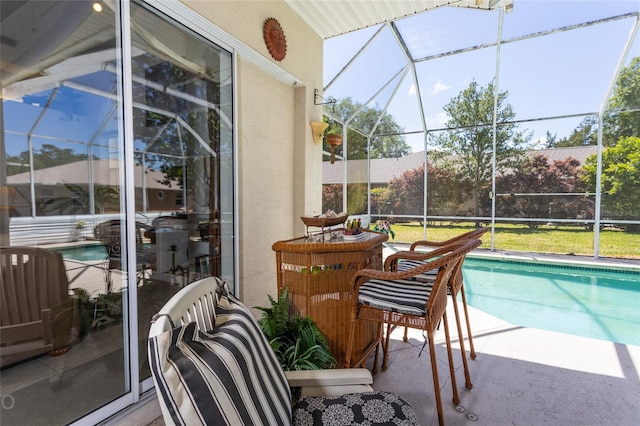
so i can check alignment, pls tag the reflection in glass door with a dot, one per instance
(62, 325)
(64, 197)
(182, 111)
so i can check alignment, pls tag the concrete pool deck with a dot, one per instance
(521, 376)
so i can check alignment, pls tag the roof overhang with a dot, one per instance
(330, 18)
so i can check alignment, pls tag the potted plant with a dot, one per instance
(385, 227)
(296, 340)
(76, 233)
(334, 139)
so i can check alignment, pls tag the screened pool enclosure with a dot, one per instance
(526, 118)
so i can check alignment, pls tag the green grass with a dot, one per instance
(545, 239)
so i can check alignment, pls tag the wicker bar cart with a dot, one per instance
(318, 276)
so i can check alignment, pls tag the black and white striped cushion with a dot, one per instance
(402, 296)
(228, 376)
(405, 265)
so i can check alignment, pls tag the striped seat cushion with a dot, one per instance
(402, 296)
(405, 265)
(228, 376)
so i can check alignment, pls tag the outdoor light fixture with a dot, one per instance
(334, 139)
(317, 129)
(316, 97)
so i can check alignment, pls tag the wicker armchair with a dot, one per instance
(37, 315)
(109, 233)
(405, 260)
(394, 298)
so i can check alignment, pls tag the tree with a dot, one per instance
(380, 201)
(406, 193)
(367, 118)
(620, 180)
(47, 156)
(105, 198)
(468, 146)
(332, 197)
(623, 117)
(446, 192)
(171, 134)
(585, 134)
(537, 176)
(551, 139)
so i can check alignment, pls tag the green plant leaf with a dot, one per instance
(296, 341)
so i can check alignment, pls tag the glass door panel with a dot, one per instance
(183, 115)
(60, 168)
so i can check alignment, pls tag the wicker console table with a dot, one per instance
(318, 276)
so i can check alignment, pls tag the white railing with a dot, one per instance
(29, 231)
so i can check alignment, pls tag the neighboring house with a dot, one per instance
(385, 169)
(50, 183)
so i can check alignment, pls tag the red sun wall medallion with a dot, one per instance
(274, 39)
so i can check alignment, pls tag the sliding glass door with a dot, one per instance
(116, 165)
(183, 134)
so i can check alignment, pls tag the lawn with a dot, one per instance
(545, 239)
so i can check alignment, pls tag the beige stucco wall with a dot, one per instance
(279, 165)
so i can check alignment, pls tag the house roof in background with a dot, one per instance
(103, 174)
(385, 169)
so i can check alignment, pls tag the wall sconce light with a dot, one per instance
(317, 129)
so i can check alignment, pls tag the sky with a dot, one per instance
(563, 73)
(557, 74)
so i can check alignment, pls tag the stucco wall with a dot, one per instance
(279, 165)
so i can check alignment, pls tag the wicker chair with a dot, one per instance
(404, 260)
(37, 315)
(109, 233)
(394, 298)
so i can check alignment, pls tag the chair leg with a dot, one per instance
(467, 376)
(436, 381)
(385, 352)
(379, 343)
(454, 386)
(352, 332)
(472, 350)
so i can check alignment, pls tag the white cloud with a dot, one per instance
(412, 90)
(438, 87)
(539, 142)
(437, 121)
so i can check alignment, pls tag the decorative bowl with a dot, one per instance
(323, 222)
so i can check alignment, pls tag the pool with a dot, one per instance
(591, 302)
(85, 253)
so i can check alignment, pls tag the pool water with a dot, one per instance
(596, 303)
(83, 253)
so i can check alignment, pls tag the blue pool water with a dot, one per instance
(83, 253)
(596, 303)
